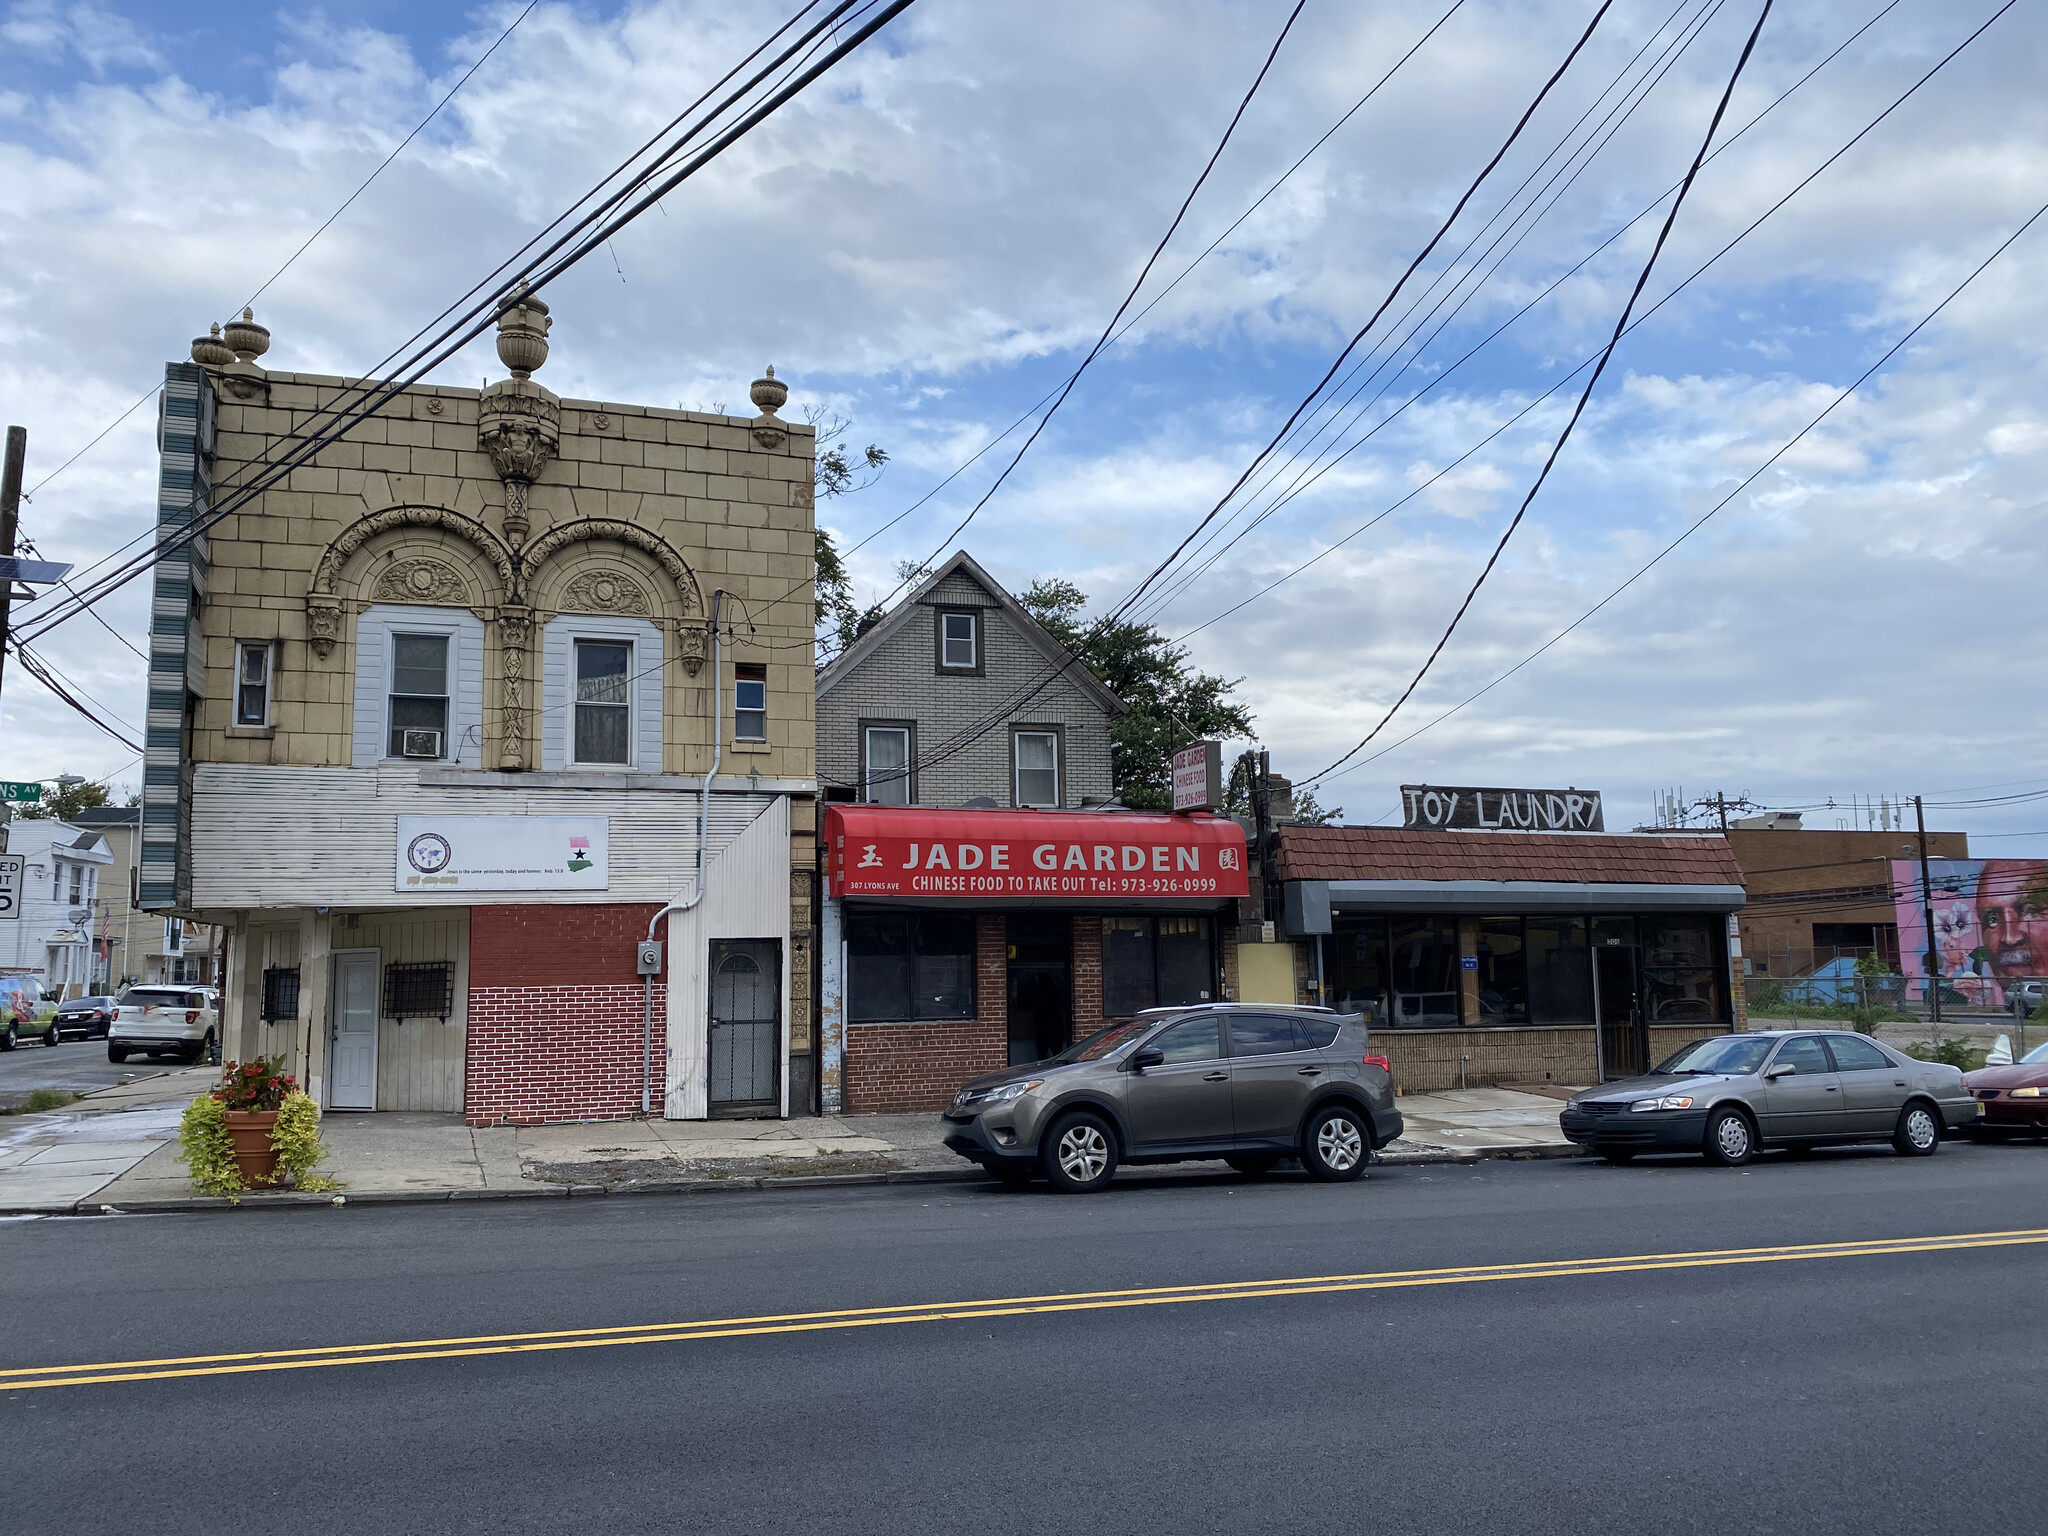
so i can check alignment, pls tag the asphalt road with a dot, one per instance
(1885, 1391)
(76, 1066)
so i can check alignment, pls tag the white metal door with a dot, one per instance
(352, 1078)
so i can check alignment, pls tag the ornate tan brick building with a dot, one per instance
(439, 722)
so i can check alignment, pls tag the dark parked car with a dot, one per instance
(2012, 1098)
(1246, 1084)
(1732, 1094)
(84, 1018)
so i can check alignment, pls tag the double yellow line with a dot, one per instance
(26, 1377)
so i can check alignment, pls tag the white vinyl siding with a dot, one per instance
(465, 632)
(558, 688)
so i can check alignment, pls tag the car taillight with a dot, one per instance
(191, 1015)
(1383, 1063)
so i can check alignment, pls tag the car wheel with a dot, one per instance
(1336, 1145)
(1731, 1139)
(50, 1035)
(11, 1039)
(1080, 1153)
(1618, 1155)
(1254, 1164)
(116, 1055)
(1919, 1130)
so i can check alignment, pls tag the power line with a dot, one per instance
(1752, 478)
(295, 255)
(1620, 325)
(961, 740)
(343, 409)
(342, 414)
(1144, 272)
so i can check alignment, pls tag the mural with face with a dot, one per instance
(1990, 923)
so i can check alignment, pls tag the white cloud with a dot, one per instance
(924, 245)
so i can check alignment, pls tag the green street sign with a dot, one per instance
(26, 789)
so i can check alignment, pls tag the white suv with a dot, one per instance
(167, 1020)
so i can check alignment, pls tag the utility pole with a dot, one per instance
(10, 514)
(1933, 957)
(1721, 810)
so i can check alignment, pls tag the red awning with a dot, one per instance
(1042, 856)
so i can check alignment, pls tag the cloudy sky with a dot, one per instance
(929, 242)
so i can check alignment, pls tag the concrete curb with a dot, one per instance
(750, 1184)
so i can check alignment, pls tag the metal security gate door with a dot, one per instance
(746, 1025)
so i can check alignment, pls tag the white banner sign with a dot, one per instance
(10, 884)
(1198, 777)
(504, 853)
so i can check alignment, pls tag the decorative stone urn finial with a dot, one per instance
(210, 351)
(522, 332)
(519, 422)
(769, 393)
(249, 339)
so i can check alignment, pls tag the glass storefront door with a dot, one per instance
(1040, 985)
(1617, 1003)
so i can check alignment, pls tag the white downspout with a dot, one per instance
(703, 851)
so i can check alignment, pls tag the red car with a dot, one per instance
(2014, 1098)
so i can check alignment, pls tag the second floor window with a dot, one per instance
(959, 642)
(750, 701)
(887, 776)
(419, 696)
(1038, 767)
(77, 884)
(604, 669)
(252, 683)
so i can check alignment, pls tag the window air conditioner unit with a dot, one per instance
(420, 744)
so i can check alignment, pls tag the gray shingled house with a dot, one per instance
(898, 710)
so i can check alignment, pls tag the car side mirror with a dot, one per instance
(1783, 1069)
(1147, 1058)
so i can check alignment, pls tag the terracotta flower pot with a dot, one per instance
(257, 1158)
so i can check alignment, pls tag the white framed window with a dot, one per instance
(253, 665)
(418, 669)
(749, 701)
(77, 884)
(885, 769)
(418, 712)
(960, 642)
(602, 732)
(601, 694)
(1037, 759)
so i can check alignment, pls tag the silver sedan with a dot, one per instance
(1730, 1095)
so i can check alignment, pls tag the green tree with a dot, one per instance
(61, 802)
(1171, 704)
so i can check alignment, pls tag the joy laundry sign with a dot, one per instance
(503, 853)
(1501, 810)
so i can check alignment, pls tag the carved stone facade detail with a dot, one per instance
(605, 592)
(519, 424)
(323, 626)
(324, 613)
(515, 633)
(363, 529)
(422, 581)
(692, 645)
(562, 535)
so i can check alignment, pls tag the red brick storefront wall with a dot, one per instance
(902, 1069)
(555, 1014)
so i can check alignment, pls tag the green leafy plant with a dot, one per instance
(1952, 1053)
(205, 1147)
(296, 1136)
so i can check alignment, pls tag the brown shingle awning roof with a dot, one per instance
(1394, 853)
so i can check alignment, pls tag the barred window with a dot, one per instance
(280, 993)
(419, 990)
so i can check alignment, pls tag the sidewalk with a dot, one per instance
(117, 1149)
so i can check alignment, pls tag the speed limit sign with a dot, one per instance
(10, 885)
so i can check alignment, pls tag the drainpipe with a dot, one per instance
(703, 850)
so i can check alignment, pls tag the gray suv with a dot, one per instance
(1245, 1083)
